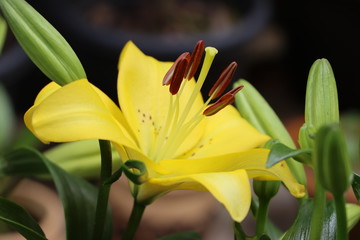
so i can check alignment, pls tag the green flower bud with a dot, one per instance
(321, 103)
(255, 109)
(42, 42)
(331, 159)
(80, 158)
(266, 189)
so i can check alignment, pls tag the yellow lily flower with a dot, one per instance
(180, 146)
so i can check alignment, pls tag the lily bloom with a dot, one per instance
(184, 142)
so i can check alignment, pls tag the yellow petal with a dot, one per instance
(145, 101)
(226, 132)
(76, 112)
(253, 161)
(230, 188)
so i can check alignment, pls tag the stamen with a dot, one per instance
(223, 81)
(169, 76)
(195, 59)
(225, 100)
(179, 73)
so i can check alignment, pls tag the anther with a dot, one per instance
(222, 102)
(170, 75)
(195, 59)
(223, 81)
(179, 73)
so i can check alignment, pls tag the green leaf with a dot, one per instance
(20, 220)
(356, 186)
(3, 31)
(301, 227)
(280, 152)
(352, 215)
(182, 236)
(7, 119)
(78, 196)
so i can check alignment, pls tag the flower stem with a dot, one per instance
(104, 189)
(134, 221)
(318, 212)
(261, 216)
(341, 221)
(239, 233)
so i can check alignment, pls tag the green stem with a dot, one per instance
(104, 189)
(239, 233)
(341, 221)
(318, 212)
(254, 206)
(261, 216)
(134, 221)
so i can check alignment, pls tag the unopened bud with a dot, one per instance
(321, 103)
(42, 42)
(332, 161)
(266, 189)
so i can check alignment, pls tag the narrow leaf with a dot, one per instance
(7, 118)
(77, 195)
(301, 227)
(280, 152)
(356, 186)
(20, 220)
(3, 31)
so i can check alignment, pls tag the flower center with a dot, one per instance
(178, 125)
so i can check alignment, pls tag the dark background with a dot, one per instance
(276, 59)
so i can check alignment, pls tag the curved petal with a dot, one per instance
(226, 132)
(253, 161)
(230, 188)
(76, 112)
(145, 102)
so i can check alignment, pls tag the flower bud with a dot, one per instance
(321, 103)
(266, 189)
(255, 109)
(81, 158)
(332, 161)
(42, 42)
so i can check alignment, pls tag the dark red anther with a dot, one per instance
(170, 75)
(195, 59)
(222, 102)
(179, 73)
(223, 81)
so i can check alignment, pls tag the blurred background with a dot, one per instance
(274, 42)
